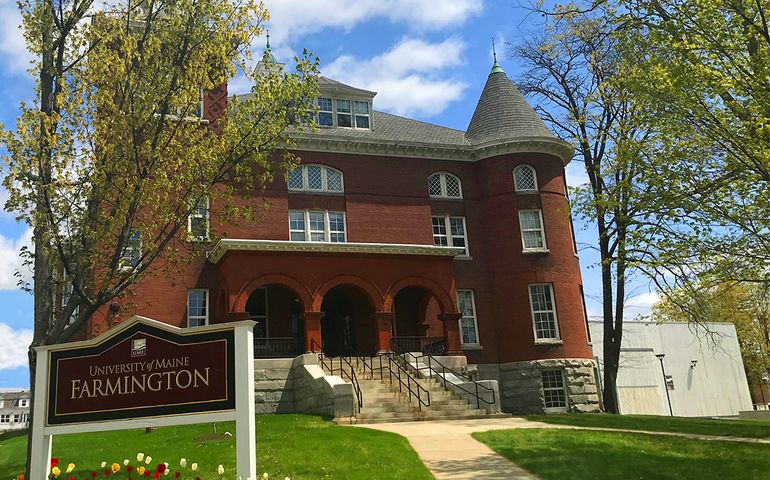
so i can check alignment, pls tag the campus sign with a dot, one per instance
(146, 373)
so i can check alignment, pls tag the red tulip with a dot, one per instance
(129, 468)
(161, 467)
(177, 474)
(156, 475)
(107, 473)
(94, 474)
(147, 473)
(54, 461)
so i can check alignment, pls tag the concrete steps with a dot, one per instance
(384, 403)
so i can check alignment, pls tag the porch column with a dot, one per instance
(313, 331)
(451, 323)
(384, 326)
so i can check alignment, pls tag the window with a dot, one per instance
(316, 226)
(543, 311)
(198, 221)
(23, 402)
(532, 235)
(315, 178)
(468, 327)
(197, 308)
(554, 394)
(362, 114)
(132, 252)
(344, 118)
(325, 115)
(524, 179)
(16, 417)
(256, 305)
(5, 418)
(450, 232)
(444, 185)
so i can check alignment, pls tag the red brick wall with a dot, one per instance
(386, 201)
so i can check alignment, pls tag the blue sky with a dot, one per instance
(427, 59)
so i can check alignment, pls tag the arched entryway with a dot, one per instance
(347, 324)
(416, 324)
(279, 326)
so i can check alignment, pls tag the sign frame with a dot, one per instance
(243, 375)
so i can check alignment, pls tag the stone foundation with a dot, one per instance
(521, 386)
(273, 386)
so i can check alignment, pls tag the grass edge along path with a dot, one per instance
(295, 446)
(566, 454)
(652, 423)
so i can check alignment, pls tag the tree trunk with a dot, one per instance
(611, 347)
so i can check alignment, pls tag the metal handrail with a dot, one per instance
(412, 385)
(442, 375)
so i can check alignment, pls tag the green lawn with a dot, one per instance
(590, 455)
(702, 426)
(297, 446)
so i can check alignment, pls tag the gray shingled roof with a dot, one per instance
(503, 114)
(392, 128)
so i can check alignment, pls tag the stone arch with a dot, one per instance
(371, 292)
(274, 279)
(442, 296)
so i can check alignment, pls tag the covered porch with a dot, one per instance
(344, 299)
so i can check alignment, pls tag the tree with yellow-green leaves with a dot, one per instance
(112, 157)
(746, 305)
(701, 70)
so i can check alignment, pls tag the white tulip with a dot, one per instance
(148, 460)
(125, 461)
(139, 457)
(104, 464)
(183, 462)
(194, 467)
(221, 470)
(264, 476)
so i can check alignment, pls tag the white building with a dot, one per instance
(14, 409)
(703, 368)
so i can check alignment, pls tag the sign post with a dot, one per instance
(145, 373)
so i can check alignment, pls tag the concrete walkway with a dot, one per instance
(448, 450)
(450, 453)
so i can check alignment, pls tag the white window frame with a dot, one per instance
(333, 112)
(552, 293)
(477, 343)
(23, 402)
(197, 238)
(327, 227)
(562, 389)
(324, 180)
(368, 115)
(205, 318)
(534, 177)
(5, 418)
(330, 111)
(524, 247)
(126, 261)
(450, 238)
(444, 195)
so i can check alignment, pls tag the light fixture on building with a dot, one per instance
(693, 363)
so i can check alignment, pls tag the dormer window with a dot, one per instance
(362, 114)
(325, 114)
(342, 112)
(444, 185)
(315, 178)
(344, 117)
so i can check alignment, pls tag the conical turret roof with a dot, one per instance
(503, 114)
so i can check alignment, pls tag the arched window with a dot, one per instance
(524, 179)
(315, 178)
(444, 185)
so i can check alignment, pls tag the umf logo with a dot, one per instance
(139, 347)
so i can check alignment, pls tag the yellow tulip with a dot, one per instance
(70, 467)
(140, 470)
(115, 467)
(56, 471)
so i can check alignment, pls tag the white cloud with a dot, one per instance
(13, 51)
(576, 174)
(291, 19)
(640, 305)
(15, 344)
(11, 262)
(408, 77)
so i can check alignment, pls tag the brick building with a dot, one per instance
(395, 234)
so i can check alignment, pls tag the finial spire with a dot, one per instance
(268, 40)
(495, 66)
(494, 52)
